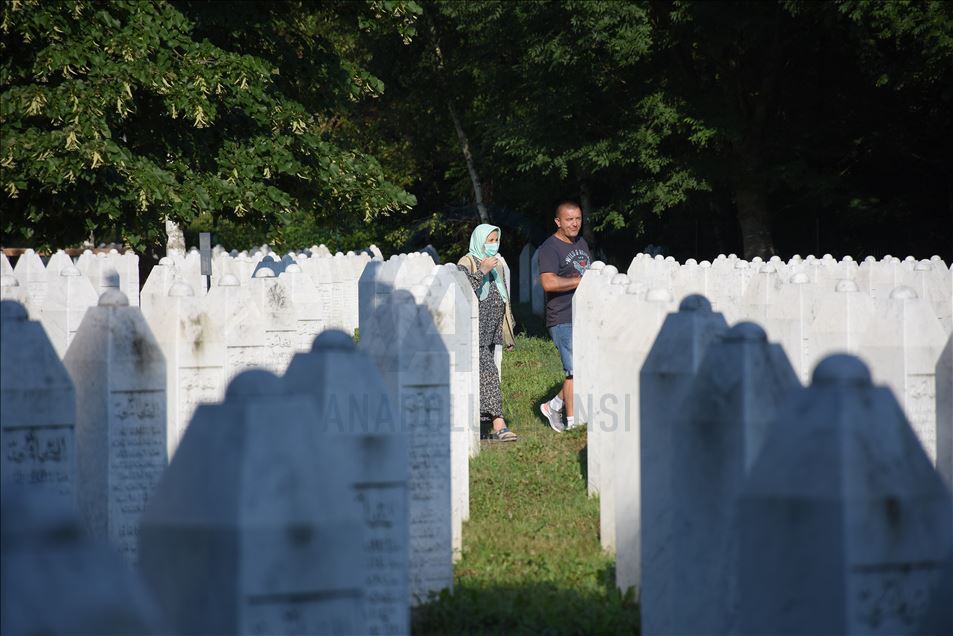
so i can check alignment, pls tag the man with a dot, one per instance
(563, 258)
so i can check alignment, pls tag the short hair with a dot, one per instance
(569, 205)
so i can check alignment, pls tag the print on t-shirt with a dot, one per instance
(566, 260)
(579, 260)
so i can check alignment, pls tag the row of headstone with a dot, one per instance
(617, 316)
(290, 507)
(59, 293)
(764, 507)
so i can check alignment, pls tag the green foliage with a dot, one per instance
(531, 562)
(116, 117)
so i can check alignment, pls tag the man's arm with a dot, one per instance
(554, 283)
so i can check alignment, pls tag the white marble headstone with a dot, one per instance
(119, 374)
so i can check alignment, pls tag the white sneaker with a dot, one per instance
(575, 425)
(554, 418)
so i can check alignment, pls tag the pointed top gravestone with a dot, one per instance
(845, 526)
(37, 408)
(414, 365)
(666, 377)
(272, 541)
(357, 419)
(716, 436)
(119, 373)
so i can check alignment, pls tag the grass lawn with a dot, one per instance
(531, 562)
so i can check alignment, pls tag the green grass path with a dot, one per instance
(531, 562)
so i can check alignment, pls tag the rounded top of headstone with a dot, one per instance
(70, 270)
(659, 258)
(800, 278)
(253, 383)
(741, 265)
(166, 261)
(692, 262)
(28, 252)
(887, 257)
(113, 297)
(670, 259)
(695, 302)
(705, 264)
(12, 310)
(350, 253)
(746, 331)
(796, 258)
(909, 259)
(827, 257)
(8, 280)
(332, 339)
(658, 295)
(924, 266)
(903, 293)
(597, 265)
(893, 260)
(870, 259)
(846, 285)
(843, 369)
(768, 268)
(610, 270)
(757, 259)
(180, 288)
(847, 259)
(619, 279)
(720, 257)
(264, 272)
(936, 258)
(775, 259)
(229, 280)
(293, 268)
(101, 255)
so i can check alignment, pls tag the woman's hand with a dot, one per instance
(487, 264)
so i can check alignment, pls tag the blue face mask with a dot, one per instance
(491, 248)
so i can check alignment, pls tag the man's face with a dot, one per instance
(569, 221)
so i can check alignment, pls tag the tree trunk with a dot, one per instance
(753, 217)
(585, 201)
(471, 165)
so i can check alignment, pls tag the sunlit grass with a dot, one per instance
(531, 562)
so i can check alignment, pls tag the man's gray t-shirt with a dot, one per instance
(566, 260)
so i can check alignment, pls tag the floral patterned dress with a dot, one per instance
(491, 334)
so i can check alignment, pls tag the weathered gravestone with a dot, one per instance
(717, 433)
(56, 582)
(537, 295)
(944, 413)
(37, 408)
(309, 316)
(644, 545)
(31, 273)
(232, 307)
(192, 343)
(845, 527)
(70, 295)
(357, 421)
(526, 274)
(5, 268)
(10, 289)
(902, 344)
(632, 320)
(413, 361)
(281, 330)
(253, 528)
(119, 374)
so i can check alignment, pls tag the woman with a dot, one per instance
(485, 271)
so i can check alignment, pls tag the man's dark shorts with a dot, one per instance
(562, 337)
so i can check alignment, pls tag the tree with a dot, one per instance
(115, 117)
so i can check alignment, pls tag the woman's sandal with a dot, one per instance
(504, 435)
